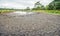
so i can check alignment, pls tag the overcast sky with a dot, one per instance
(21, 3)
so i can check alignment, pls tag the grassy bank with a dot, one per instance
(42, 11)
(48, 11)
(6, 11)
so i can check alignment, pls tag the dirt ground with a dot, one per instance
(38, 24)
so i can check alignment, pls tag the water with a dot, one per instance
(21, 13)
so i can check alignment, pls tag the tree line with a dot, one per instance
(54, 5)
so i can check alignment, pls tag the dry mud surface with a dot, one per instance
(37, 24)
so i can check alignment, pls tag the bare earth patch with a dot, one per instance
(36, 24)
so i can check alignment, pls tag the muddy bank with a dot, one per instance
(37, 24)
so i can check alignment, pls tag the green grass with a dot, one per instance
(48, 11)
(53, 11)
(6, 11)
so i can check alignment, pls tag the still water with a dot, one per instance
(20, 13)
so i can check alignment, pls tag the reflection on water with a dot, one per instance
(18, 13)
(22, 13)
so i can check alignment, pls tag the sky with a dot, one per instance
(20, 4)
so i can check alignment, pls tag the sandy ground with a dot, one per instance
(37, 24)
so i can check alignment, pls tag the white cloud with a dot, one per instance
(12, 5)
(21, 3)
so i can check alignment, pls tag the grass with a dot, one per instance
(48, 11)
(6, 11)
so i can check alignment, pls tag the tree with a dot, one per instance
(55, 5)
(38, 6)
(57, 2)
(42, 7)
(27, 8)
(50, 6)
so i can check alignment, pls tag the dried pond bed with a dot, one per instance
(30, 25)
